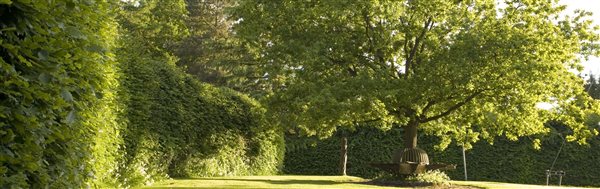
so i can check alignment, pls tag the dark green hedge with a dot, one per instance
(505, 161)
(55, 67)
(321, 157)
(179, 127)
(173, 125)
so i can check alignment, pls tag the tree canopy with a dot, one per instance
(438, 66)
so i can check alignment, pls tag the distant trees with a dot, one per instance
(592, 86)
(209, 44)
(211, 52)
(196, 36)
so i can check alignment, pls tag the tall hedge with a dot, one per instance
(75, 115)
(504, 161)
(55, 69)
(179, 127)
(176, 126)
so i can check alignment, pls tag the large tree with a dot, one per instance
(210, 51)
(448, 68)
(209, 44)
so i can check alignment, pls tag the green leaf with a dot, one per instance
(75, 33)
(7, 29)
(44, 78)
(66, 95)
(7, 136)
(5, 2)
(71, 117)
(70, 5)
(43, 55)
(99, 95)
(96, 48)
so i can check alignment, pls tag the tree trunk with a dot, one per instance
(410, 134)
(343, 155)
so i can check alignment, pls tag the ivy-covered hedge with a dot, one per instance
(55, 69)
(504, 161)
(175, 126)
(179, 127)
(74, 115)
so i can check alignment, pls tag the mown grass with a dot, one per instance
(268, 182)
(307, 182)
(502, 185)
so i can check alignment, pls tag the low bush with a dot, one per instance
(434, 177)
(428, 178)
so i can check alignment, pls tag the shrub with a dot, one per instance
(434, 177)
(429, 178)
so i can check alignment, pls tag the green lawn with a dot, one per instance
(256, 182)
(501, 185)
(304, 182)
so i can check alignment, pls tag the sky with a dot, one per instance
(593, 64)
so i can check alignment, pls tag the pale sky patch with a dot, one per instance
(593, 64)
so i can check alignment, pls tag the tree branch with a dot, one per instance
(431, 103)
(419, 59)
(452, 108)
(377, 53)
(368, 28)
(428, 105)
(352, 71)
(415, 46)
(407, 63)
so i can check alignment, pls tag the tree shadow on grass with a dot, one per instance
(200, 187)
(276, 181)
(248, 184)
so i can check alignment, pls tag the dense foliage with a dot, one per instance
(176, 126)
(74, 114)
(434, 66)
(212, 52)
(56, 71)
(434, 177)
(504, 161)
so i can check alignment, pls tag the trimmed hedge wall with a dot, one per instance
(56, 74)
(175, 126)
(504, 161)
(179, 127)
(75, 115)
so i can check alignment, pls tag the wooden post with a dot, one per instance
(559, 180)
(343, 155)
(547, 177)
(464, 162)
(464, 155)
